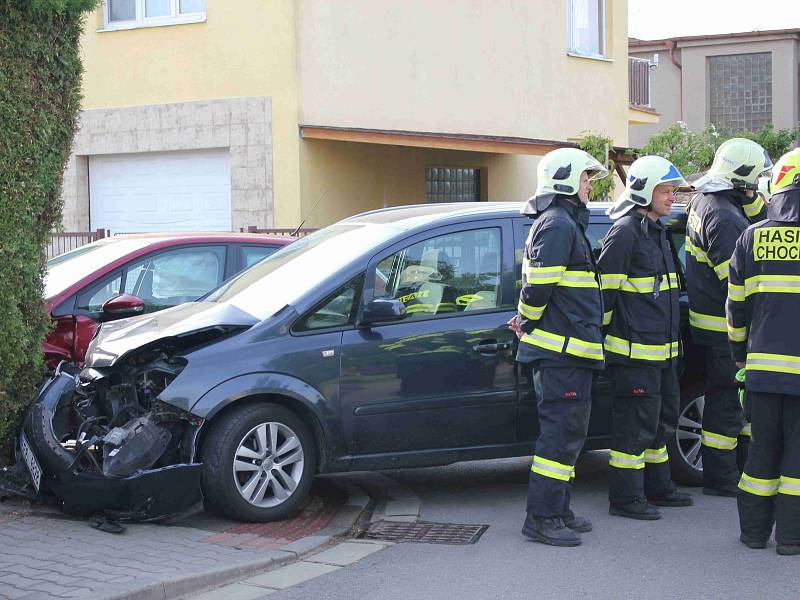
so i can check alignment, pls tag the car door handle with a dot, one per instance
(490, 347)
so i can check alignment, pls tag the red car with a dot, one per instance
(127, 275)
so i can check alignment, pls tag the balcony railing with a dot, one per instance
(639, 81)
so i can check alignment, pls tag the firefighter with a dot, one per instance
(762, 312)
(718, 214)
(559, 328)
(642, 342)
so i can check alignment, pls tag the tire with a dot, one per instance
(255, 488)
(685, 458)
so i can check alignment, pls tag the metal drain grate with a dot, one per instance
(425, 533)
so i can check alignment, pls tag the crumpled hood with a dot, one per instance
(117, 338)
(710, 183)
(785, 207)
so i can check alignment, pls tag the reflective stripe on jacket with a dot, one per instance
(716, 220)
(560, 306)
(763, 299)
(640, 293)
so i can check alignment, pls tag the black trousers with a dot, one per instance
(769, 490)
(644, 415)
(723, 419)
(564, 399)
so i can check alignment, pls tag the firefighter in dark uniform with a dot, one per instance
(559, 328)
(764, 334)
(642, 341)
(718, 215)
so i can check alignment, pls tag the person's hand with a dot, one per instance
(740, 365)
(513, 325)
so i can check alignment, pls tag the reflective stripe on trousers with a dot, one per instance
(789, 485)
(759, 487)
(708, 322)
(621, 460)
(718, 441)
(552, 469)
(656, 456)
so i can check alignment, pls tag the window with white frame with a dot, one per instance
(586, 27)
(128, 14)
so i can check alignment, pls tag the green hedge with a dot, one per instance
(40, 77)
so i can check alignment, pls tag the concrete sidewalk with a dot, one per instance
(45, 554)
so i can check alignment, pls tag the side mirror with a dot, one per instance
(122, 305)
(383, 310)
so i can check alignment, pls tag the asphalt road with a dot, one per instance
(690, 553)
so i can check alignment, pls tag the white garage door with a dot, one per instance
(161, 191)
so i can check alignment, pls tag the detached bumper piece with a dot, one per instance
(103, 445)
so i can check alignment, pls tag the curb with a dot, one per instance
(342, 523)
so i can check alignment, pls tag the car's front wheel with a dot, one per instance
(259, 462)
(686, 459)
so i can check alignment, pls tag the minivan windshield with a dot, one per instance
(297, 268)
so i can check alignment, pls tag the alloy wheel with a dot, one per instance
(688, 433)
(268, 464)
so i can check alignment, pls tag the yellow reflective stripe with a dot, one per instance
(530, 312)
(617, 345)
(789, 485)
(423, 308)
(578, 279)
(776, 363)
(644, 285)
(737, 334)
(541, 275)
(789, 284)
(607, 317)
(722, 270)
(759, 487)
(673, 281)
(572, 475)
(552, 469)
(584, 349)
(674, 349)
(656, 456)
(735, 292)
(717, 440)
(746, 430)
(698, 253)
(650, 351)
(545, 339)
(755, 207)
(708, 322)
(612, 281)
(621, 460)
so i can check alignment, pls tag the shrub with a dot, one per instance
(39, 103)
(598, 145)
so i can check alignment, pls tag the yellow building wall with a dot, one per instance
(357, 177)
(245, 48)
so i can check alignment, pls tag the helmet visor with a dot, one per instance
(596, 173)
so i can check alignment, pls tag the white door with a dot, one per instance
(161, 191)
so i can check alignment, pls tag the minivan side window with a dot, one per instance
(453, 273)
(337, 310)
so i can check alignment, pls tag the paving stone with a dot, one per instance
(236, 591)
(290, 575)
(402, 507)
(345, 553)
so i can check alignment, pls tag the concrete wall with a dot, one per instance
(494, 67)
(356, 177)
(246, 48)
(665, 81)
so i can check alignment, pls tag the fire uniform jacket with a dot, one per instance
(640, 294)
(765, 282)
(716, 220)
(560, 302)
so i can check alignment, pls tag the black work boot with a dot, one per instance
(788, 549)
(549, 530)
(577, 524)
(638, 509)
(728, 490)
(672, 499)
(752, 542)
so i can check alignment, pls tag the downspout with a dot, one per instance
(671, 47)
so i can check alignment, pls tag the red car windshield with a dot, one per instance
(70, 267)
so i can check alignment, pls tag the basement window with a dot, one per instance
(132, 14)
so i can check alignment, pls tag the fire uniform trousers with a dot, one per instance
(560, 311)
(642, 343)
(716, 220)
(764, 332)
